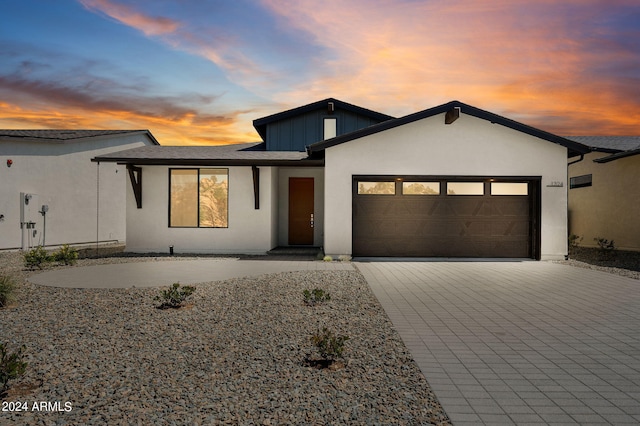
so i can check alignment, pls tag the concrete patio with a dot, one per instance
(518, 342)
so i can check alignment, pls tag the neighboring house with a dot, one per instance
(604, 191)
(52, 194)
(452, 181)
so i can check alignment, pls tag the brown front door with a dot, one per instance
(301, 211)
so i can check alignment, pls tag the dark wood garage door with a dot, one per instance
(441, 217)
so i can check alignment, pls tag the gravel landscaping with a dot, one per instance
(234, 355)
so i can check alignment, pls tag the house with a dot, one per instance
(604, 192)
(52, 194)
(452, 181)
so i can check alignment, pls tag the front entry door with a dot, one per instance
(301, 211)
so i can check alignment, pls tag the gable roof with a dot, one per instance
(612, 144)
(247, 154)
(260, 124)
(575, 148)
(66, 135)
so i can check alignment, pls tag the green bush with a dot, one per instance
(11, 367)
(34, 258)
(316, 296)
(66, 255)
(328, 344)
(7, 288)
(174, 296)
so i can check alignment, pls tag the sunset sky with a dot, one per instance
(199, 72)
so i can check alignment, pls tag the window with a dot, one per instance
(420, 188)
(509, 188)
(198, 198)
(377, 188)
(465, 188)
(580, 181)
(330, 127)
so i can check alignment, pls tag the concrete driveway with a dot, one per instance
(518, 342)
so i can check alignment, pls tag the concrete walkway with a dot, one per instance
(518, 342)
(166, 272)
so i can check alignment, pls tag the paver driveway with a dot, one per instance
(518, 342)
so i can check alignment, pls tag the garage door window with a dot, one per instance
(376, 188)
(465, 188)
(509, 188)
(420, 188)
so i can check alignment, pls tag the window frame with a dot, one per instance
(409, 182)
(573, 185)
(325, 121)
(198, 174)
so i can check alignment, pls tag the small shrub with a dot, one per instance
(7, 288)
(327, 258)
(344, 258)
(574, 241)
(607, 248)
(328, 344)
(316, 296)
(605, 244)
(11, 367)
(174, 296)
(66, 255)
(34, 258)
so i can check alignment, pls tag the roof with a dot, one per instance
(260, 124)
(612, 144)
(249, 154)
(66, 135)
(574, 148)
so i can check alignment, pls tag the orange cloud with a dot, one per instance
(184, 131)
(149, 25)
(400, 57)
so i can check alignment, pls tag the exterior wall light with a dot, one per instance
(9, 163)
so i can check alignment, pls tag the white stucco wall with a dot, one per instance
(468, 147)
(65, 179)
(318, 202)
(249, 231)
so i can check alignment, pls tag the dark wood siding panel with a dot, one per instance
(295, 134)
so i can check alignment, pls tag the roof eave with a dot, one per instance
(574, 148)
(210, 162)
(617, 156)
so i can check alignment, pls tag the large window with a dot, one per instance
(198, 198)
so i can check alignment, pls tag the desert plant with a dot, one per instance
(7, 288)
(174, 296)
(574, 241)
(605, 244)
(328, 344)
(316, 296)
(66, 255)
(344, 258)
(11, 366)
(607, 248)
(327, 258)
(34, 258)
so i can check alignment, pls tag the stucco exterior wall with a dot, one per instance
(610, 208)
(468, 147)
(86, 201)
(249, 231)
(318, 202)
